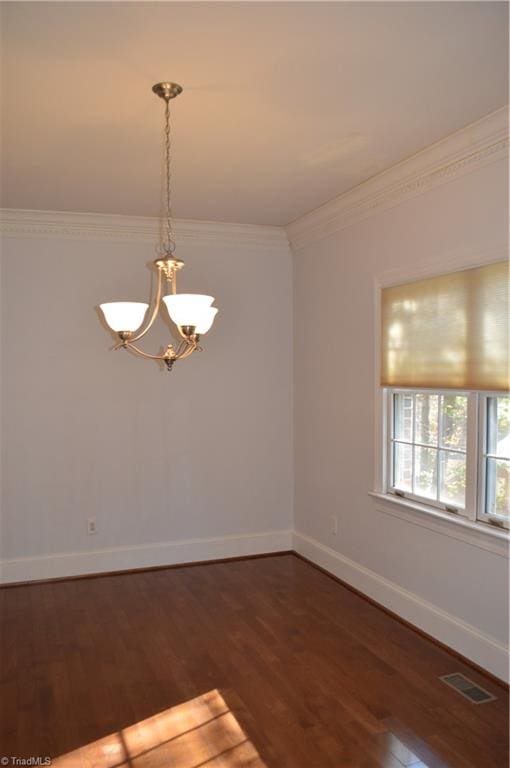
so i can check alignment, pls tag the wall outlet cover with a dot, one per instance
(91, 525)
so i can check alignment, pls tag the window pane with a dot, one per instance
(426, 419)
(498, 487)
(403, 415)
(402, 466)
(498, 426)
(425, 472)
(454, 421)
(453, 478)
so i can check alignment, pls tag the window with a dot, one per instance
(450, 450)
(445, 368)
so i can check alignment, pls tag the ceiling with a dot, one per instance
(285, 105)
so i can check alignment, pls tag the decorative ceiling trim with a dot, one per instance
(95, 226)
(460, 153)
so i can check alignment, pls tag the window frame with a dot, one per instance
(483, 426)
(476, 457)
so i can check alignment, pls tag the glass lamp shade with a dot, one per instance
(124, 315)
(189, 309)
(206, 320)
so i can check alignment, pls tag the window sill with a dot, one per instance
(479, 535)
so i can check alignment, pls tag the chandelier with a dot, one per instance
(192, 313)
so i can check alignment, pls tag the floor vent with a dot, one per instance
(467, 688)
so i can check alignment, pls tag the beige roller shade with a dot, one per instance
(449, 331)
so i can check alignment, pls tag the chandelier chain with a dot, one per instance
(170, 244)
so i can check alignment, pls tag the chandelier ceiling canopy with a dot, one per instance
(192, 313)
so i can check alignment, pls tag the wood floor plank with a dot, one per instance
(312, 675)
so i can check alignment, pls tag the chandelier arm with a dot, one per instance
(155, 309)
(180, 349)
(138, 351)
(191, 347)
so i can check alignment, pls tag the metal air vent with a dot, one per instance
(467, 688)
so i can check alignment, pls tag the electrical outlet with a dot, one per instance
(334, 525)
(91, 525)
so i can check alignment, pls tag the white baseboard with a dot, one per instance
(64, 564)
(462, 637)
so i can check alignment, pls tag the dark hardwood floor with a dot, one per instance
(210, 665)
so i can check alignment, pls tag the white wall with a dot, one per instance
(453, 587)
(159, 458)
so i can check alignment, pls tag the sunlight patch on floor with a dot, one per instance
(200, 733)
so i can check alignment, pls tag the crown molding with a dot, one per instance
(462, 152)
(16, 222)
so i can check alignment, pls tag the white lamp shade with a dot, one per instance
(124, 315)
(206, 320)
(188, 308)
